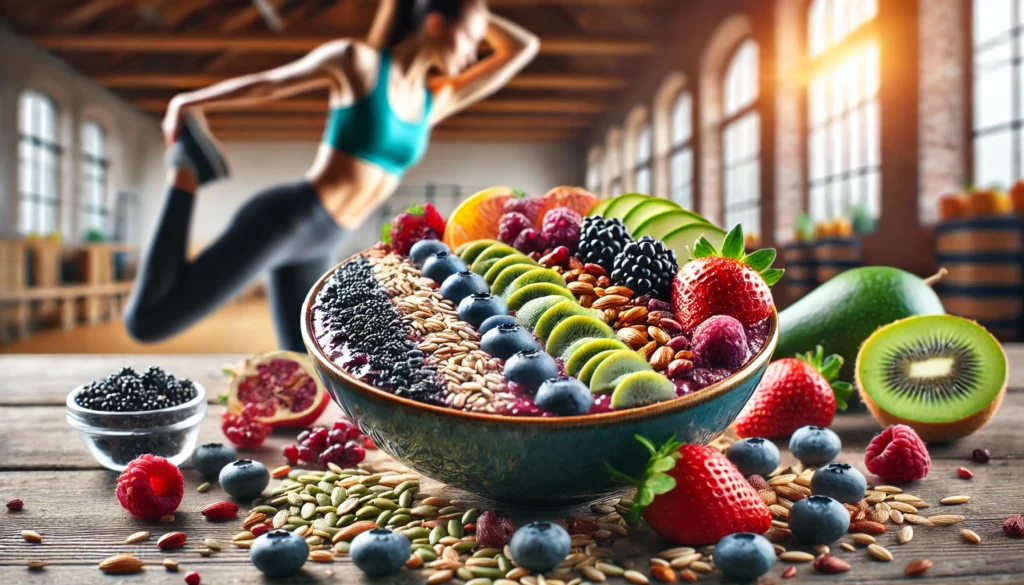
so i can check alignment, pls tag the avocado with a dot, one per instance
(840, 314)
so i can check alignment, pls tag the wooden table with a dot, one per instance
(70, 500)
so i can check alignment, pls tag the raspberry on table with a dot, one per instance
(150, 487)
(897, 454)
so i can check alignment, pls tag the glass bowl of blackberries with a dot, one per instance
(128, 414)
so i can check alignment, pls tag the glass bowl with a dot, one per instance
(116, 438)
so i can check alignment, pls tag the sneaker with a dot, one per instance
(202, 149)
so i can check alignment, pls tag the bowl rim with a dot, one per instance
(77, 411)
(760, 359)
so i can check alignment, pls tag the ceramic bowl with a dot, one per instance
(530, 460)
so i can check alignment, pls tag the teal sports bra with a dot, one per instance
(370, 130)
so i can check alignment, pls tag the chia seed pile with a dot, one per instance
(128, 391)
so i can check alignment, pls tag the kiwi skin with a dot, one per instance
(930, 432)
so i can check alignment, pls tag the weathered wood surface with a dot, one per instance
(70, 500)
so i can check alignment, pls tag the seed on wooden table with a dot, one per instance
(122, 564)
(441, 577)
(36, 564)
(203, 487)
(917, 567)
(684, 561)
(970, 536)
(167, 519)
(610, 569)
(862, 539)
(919, 520)
(905, 535)
(592, 574)
(896, 516)
(964, 473)
(321, 556)
(797, 556)
(847, 546)
(779, 549)
(170, 564)
(701, 567)
(953, 500)
(518, 573)
(830, 565)
(821, 549)
(213, 544)
(137, 537)
(688, 576)
(673, 553)
(636, 577)
(946, 519)
(31, 536)
(908, 498)
(879, 552)
(903, 507)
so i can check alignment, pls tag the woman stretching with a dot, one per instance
(381, 113)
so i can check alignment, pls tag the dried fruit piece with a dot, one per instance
(663, 573)
(171, 540)
(494, 530)
(917, 567)
(964, 473)
(829, 565)
(220, 511)
(1014, 526)
(192, 578)
(981, 455)
(867, 527)
(789, 573)
(15, 504)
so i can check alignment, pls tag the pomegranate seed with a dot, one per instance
(291, 453)
(15, 504)
(192, 578)
(259, 530)
(981, 455)
(964, 472)
(789, 573)
(221, 511)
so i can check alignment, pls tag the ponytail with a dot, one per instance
(411, 14)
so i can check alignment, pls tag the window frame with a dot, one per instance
(37, 145)
(644, 133)
(95, 172)
(729, 119)
(678, 148)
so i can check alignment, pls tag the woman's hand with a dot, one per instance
(172, 119)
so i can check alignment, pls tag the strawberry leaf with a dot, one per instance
(772, 275)
(732, 247)
(416, 210)
(385, 233)
(660, 483)
(843, 391)
(654, 480)
(703, 248)
(760, 260)
(222, 399)
(830, 366)
(647, 443)
(518, 194)
(663, 464)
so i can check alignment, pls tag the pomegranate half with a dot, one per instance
(283, 386)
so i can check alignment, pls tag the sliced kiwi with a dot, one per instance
(509, 274)
(575, 346)
(511, 260)
(642, 388)
(481, 267)
(533, 277)
(558, 313)
(494, 251)
(944, 376)
(532, 310)
(587, 371)
(535, 291)
(620, 363)
(582, 354)
(573, 328)
(470, 250)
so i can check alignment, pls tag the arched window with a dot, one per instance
(94, 178)
(741, 140)
(38, 164)
(642, 167)
(843, 153)
(613, 163)
(681, 161)
(594, 170)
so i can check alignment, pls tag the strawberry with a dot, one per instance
(795, 392)
(729, 282)
(692, 495)
(419, 222)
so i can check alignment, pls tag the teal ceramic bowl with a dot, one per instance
(527, 460)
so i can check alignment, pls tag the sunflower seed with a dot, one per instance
(970, 536)
(953, 500)
(137, 537)
(797, 556)
(880, 552)
(946, 519)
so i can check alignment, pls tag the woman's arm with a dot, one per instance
(514, 47)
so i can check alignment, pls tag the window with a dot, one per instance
(681, 157)
(642, 169)
(613, 162)
(594, 170)
(844, 167)
(998, 97)
(38, 164)
(94, 178)
(741, 140)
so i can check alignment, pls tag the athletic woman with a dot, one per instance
(378, 126)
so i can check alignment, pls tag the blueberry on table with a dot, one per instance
(244, 479)
(839, 481)
(539, 546)
(744, 556)
(441, 265)
(564, 396)
(530, 368)
(380, 552)
(210, 458)
(478, 307)
(492, 322)
(818, 520)
(815, 445)
(279, 553)
(422, 250)
(754, 456)
(507, 340)
(462, 284)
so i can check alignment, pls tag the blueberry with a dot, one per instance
(210, 458)
(839, 481)
(422, 250)
(818, 520)
(815, 445)
(244, 479)
(565, 396)
(506, 340)
(478, 307)
(530, 368)
(492, 322)
(755, 456)
(460, 285)
(539, 546)
(744, 556)
(441, 265)
(279, 553)
(380, 552)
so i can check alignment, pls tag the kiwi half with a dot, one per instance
(511, 260)
(560, 312)
(533, 310)
(494, 251)
(587, 371)
(642, 388)
(582, 354)
(574, 328)
(618, 364)
(481, 267)
(944, 376)
(534, 276)
(470, 250)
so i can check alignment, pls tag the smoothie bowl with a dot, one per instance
(522, 377)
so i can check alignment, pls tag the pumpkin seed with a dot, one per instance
(405, 499)
(308, 510)
(437, 534)
(417, 532)
(342, 547)
(482, 563)
(294, 499)
(455, 528)
(204, 487)
(464, 573)
(424, 511)
(488, 572)
(426, 554)
(368, 512)
(504, 563)
(465, 546)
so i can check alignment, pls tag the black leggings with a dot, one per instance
(284, 229)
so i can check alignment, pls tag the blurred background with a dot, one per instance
(842, 132)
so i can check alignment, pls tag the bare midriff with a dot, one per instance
(349, 188)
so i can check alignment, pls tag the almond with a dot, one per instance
(879, 552)
(122, 564)
(632, 315)
(620, 290)
(648, 350)
(321, 556)
(946, 519)
(353, 530)
(660, 335)
(137, 537)
(917, 567)
(631, 337)
(797, 556)
(580, 288)
(586, 301)
(905, 535)
(609, 301)
(595, 269)
(663, 573)
(829, 565)
(970, 536)
(789, 492)
(661, 358)
(867, 527)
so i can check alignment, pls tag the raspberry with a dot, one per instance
(242, 432)
(719, 342)
(562, 228)
(415, 224)
(150, 487)
(529, 241)
(524, 205)
(511, 225)
(897, 454)
(192, 578)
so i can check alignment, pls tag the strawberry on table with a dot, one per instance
(793, 393)
(692, 495)
(727, 282)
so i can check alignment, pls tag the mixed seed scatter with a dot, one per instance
(129, 391)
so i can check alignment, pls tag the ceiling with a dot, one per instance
(148, 50)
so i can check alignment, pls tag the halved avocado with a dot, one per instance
(623, 204)
(646, 209)
(600, 208)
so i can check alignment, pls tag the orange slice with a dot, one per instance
(476, 218)
(577, 199)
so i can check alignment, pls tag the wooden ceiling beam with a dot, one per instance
(86, 13)
(439, 134)
(493, 106)
(201, 43)
(583, 3)
(527, 81)
(223, 121)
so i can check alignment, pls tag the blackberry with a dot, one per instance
(128, 391)
(647, 267)
(601, 240)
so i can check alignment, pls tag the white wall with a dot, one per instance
(133, 138)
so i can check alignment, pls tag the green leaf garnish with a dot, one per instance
(385, 233)
(416, 210)
(703, 248)
(222, 399)
(654, 481)
(760, 260)
(828, 367)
